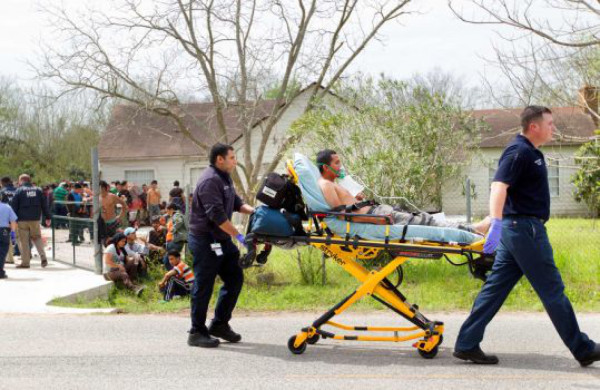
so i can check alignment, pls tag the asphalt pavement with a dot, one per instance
(150, 352)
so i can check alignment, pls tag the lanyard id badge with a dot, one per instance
(216, 247)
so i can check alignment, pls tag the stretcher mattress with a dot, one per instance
(308, 175)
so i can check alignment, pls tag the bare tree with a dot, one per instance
(549, 52)
(151, 54)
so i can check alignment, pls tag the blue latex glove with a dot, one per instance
(13, 237)
(241, 240)
(493, 238)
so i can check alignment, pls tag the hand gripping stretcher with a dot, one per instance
(348, 243)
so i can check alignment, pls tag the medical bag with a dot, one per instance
(272, 222)
(278, 192)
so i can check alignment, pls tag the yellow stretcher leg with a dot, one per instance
(376, 285)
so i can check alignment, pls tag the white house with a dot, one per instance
(138, 146)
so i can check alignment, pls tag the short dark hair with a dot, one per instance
(532, 114)
(104, 185)
(217, 150)
(173, 206)
(174, 253)
(176, 183)
(324, 157)
(6, 181)
(153, 182)
(77, 186)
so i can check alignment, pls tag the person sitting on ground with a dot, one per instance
(119, 269)
(179, 280)
(156, 241)
(339, 198)
(176, 232)
(136, 251)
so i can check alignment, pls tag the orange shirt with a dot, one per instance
(170, 230)
(184, 272)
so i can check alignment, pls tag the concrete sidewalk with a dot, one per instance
(30, 290)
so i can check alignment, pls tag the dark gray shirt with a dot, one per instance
(213, 203)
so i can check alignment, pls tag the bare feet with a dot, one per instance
(483, 226)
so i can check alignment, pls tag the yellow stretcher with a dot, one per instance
(345, 251)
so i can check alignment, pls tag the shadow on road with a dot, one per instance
(377, 357)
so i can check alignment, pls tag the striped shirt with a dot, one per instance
(183, 271)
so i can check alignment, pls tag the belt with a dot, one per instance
(525, 216)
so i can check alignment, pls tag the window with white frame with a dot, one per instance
(194, 176)
(554, 177)
(139, 176)
(492, 171)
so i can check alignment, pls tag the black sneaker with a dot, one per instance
(3, 276)
(591, 357)
(224, 331)
(476, 356)
(202, 340)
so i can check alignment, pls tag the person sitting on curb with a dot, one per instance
(119, 269)
(179, 280)
(136, 251)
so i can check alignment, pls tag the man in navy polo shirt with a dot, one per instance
(519, 207)
(209, 240)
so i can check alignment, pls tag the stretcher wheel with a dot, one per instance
(428, 355)
(431, 354)
(314, 339)
(296, 351)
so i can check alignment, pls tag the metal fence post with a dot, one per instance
(52, 224)
(468, 195)
(96, 209)
(323, 269)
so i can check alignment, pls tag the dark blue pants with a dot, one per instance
(177, 246)
(4, 245)
(524, 250)
(207, 265)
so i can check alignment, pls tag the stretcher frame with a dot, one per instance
(345, 251)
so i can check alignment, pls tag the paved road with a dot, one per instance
(130, 352)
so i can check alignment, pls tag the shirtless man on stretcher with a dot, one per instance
(341, 200)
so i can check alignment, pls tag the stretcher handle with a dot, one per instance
(347, 216)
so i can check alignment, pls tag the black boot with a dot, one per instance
(224, 331)
(476, 356)
(202, 340)
(591, 357)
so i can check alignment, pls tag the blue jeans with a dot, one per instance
(177, 246)
(4, 245)
(207, 265)
(524, 250)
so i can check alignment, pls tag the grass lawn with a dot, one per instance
(432, 284)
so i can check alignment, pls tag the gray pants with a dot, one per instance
(403, 218)
(153, 209)
(30, 231)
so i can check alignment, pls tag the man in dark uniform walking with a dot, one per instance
(519, 207)
(209, 240)
(28, 203)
